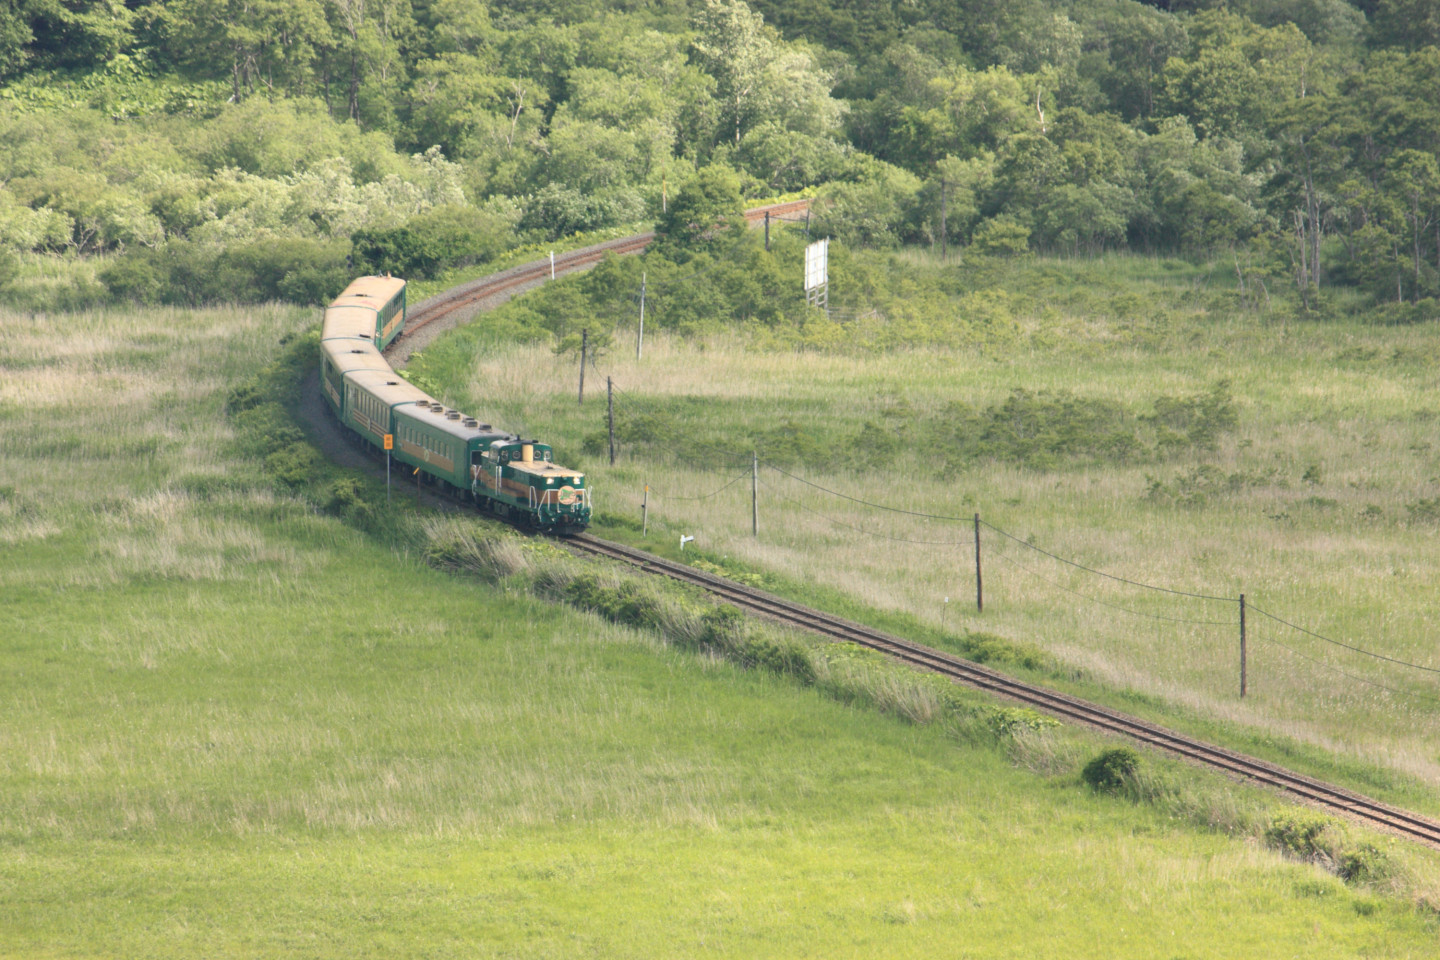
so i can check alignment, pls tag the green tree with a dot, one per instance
(1408, 24)
(1414, 178)
(255, 44)
(707, 205)
(758, 77)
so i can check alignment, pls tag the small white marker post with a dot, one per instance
(942, 612)
(684, 540)
(552, 264)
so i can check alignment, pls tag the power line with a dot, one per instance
(731, 457)
(728, 456)
(870, 533)
(1101, 573)
(1345, 673)
(706, 496)
(1106, 603)
(877, 506)
(1347, 646)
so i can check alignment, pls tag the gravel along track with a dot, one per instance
(1335, 799)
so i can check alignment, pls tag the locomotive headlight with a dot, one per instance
(549, 481)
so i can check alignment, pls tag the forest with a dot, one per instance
(203, 151)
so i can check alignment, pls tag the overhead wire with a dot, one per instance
(733, 458)
(1105, 603)
(870, 533)
(1102, 573)
(707, 496)
(877, 506)
(1345, 673)
(1339, 643)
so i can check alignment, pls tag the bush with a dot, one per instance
(1300, 834)
(1111, 770)
(192, 274)
(296, 464)
(557, 210)
(1001, 237)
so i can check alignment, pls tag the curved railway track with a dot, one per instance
(1056, 704)
(442, 309)
(510, 281)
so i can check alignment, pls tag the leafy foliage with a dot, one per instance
(1112, 769)
(1282, 134)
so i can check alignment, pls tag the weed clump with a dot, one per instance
(1111, 770)
(1321, 840)
(455, 546)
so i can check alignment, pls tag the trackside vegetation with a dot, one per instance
(240, 687)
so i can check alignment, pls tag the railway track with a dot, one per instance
(1328, 796)
(1056, 704)
(507, 281)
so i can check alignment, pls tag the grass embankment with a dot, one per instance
(236, 724)
(1131, 415)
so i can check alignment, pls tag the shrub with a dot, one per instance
(1112, 769)
(1301, 834)
(1001, 237)
(295, 465)
(1363, 864)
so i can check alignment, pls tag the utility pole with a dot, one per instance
(754, 494)
(584, 348)
(979, 587)
(767, 231)
(610, 415)
(1242, 646)
(807, 224)
(552, 264)
(645, 513)
(944, 234)
(640, 337)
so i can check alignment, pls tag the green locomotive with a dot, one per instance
(499, 471)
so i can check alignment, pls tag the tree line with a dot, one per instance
(1296, 138)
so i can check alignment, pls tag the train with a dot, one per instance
(500, 472)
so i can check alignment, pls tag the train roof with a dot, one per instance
(387, 386)
(351, 354)
(373, 292)
(437, 416)
(546, 469)
(348, 320)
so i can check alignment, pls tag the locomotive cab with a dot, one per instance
(555, 497)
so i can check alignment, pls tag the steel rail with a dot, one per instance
(955, 668)
(1041, 698)
(465, 294)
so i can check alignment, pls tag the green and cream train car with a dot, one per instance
(501, 472)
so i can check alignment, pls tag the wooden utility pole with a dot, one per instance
(1242, 646)
(754, 494)
(584, 349)
(610, 415)
(979, 583)
(645, 513)
(767, 231)
(640, 337)
(944, 233)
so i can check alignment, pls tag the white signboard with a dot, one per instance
(817, 264)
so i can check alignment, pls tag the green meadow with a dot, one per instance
(1135, 416)
(245, 714)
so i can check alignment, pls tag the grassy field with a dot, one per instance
(237, 725)
(1311, 486)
